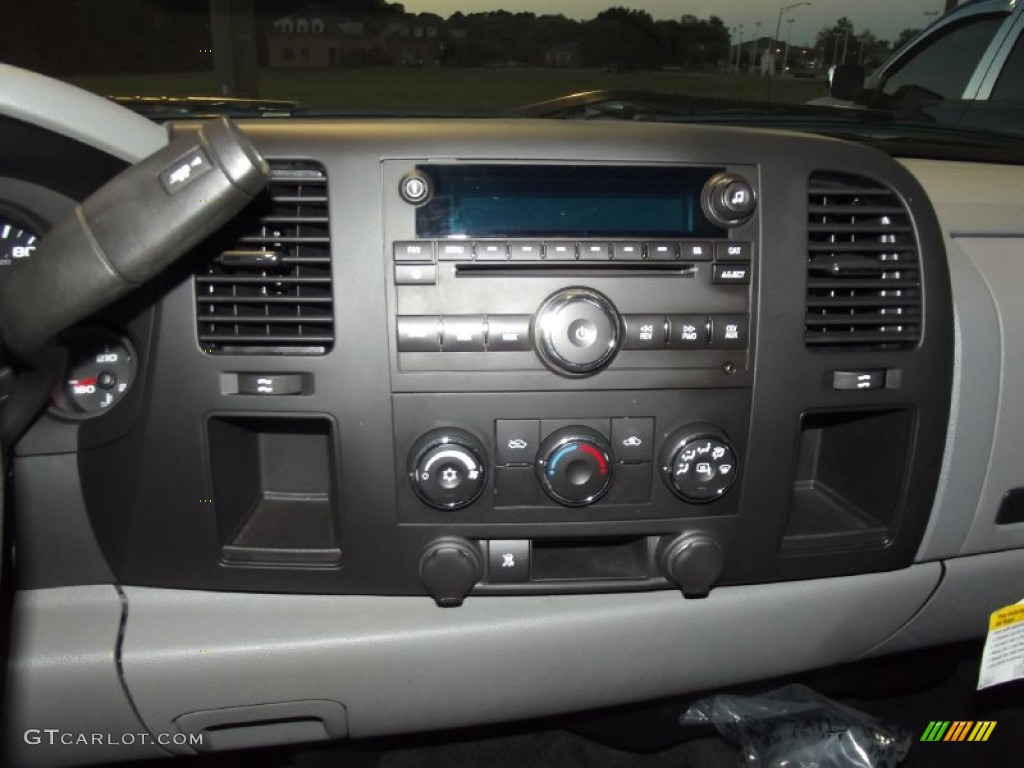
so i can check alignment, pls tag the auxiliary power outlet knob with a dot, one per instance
(693, 561)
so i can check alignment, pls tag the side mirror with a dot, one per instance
(846, 81)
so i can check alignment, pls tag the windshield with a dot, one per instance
(466, 57)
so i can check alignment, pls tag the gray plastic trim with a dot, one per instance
(972, 415)
(1001, 263)
(97, 122)
(971, 589)
(63, 675)
(401, 664)
(985, 247)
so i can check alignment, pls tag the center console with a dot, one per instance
(460, 358)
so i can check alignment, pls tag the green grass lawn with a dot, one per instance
(388, 89)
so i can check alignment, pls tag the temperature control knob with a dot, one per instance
(698, 463)
(446, 468)
(577, 331)
(574, 466)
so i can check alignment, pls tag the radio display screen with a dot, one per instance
(565, 201)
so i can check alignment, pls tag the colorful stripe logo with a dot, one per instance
(958, 730)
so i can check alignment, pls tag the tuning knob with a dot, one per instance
(446, 468)
(574, 466)
(577, 331)
(692, 561)
(728, 199)
(449, 568)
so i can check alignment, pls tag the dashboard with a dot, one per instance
(540, 416)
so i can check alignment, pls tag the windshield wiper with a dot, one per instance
(171, 107)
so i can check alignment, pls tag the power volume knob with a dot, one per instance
(577, 331)
(728, 200)
(446, 468)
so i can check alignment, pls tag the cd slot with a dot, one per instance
(569, 269)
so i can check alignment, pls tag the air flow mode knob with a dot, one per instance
(698, 463)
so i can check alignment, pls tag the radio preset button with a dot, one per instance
(560, 250)
(644, 332)
(525, 250)
(419, 333)
(508, 333)
(695, 251)
(735, 274)
(463, 333)
(414, 250)
(594, 252)
(491, 251)
(662, 251)
(732, 251)
(729, 331)
(454, 251)
(688, 331)
(628, 251)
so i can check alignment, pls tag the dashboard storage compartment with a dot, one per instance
(602, 558)
(849, 479)
(273, 489)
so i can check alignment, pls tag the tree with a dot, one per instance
(904, 37)
(833, 43)
(622, 38)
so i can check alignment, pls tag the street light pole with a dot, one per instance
(739, 49)
(753, 47)
(785, 56)
(778, 23)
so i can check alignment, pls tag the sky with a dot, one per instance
(886, 18)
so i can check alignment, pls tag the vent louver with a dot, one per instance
(266, 289)
(863, 271)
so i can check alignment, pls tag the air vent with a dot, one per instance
(863, 273)
(266, 287)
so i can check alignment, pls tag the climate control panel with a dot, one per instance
(580, 469)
